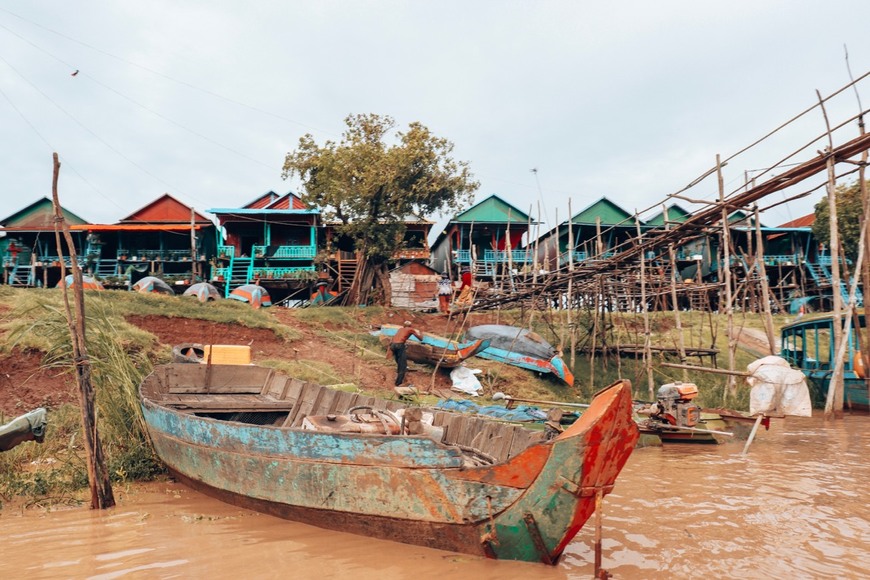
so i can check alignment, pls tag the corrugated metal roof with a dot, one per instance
(609, 212)
(801, 222)
(493, 209)
(39, 215)
(675, 214)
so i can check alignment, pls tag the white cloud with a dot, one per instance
(202, 100)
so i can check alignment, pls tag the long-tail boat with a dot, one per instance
(261, 440)
(520, 347)
(434, 349)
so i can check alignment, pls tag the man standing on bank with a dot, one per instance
(397, 346)
(445, 293)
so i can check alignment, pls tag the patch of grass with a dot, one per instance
(30, 304)
(315, 371)
(119, 358)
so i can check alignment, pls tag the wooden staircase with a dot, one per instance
(346, 268)
(106, 268)
(240, 274)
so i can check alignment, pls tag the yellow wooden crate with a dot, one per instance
(226, 354)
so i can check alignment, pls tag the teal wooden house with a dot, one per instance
(274, 237)
(28, 248)
(488, 237)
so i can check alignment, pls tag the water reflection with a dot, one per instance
(796, 506)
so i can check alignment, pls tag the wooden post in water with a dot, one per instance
(98, 475)
(726, 265)
(599, 500)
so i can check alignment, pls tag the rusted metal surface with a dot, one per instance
(404, 488)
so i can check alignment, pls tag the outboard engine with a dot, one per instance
(674, 405)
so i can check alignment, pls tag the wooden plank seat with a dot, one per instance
(227, 403)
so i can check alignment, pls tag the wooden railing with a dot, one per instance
(286, 252)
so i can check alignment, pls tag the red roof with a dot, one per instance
(263, 201)
(164, 209)
(288, 201)
(801, 222)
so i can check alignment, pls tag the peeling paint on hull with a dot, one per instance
(406, 488)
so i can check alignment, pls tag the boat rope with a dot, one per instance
(490, 535)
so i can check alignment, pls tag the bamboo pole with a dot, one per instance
(194, 265)
(864, 334)
(834, 402)
(647, 354)
(705, 369)
(726, 265)
(598, 241)
(765, 286)
(678, 321)
(98, 474)
(533, 228)
(571, 283)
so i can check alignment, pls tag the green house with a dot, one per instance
(487, 237)
(29, 250)
(597, 232)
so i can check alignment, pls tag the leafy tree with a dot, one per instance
(848, 219)
(371, 187)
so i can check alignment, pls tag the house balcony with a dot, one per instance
(285, 252)
(577, 257)
(504, 256)
(781, 260)
(143, 255)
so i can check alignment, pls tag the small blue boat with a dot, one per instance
(520, 347)
(808, 345)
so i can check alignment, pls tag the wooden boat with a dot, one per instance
(808, 345)
(27, 427)
(433, 349)
(347, 462)
(519, 347)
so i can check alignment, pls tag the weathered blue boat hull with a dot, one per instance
(554, 365)
(405, 488)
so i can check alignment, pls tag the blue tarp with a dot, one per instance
(521, 413)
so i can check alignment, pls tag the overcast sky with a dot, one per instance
(204, 99)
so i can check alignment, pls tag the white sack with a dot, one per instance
(778, 389)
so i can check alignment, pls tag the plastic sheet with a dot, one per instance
(777, 389)
(465, 381)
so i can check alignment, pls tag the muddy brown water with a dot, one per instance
(797, 506)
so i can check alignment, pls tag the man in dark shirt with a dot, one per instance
(397, 346)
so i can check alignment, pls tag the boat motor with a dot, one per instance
(674, 405)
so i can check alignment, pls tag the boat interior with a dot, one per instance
(260, 396)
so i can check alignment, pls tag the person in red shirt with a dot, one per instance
(466, 279)
(397, 347)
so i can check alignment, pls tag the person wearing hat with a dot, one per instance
(445, 293)
(397, 347)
